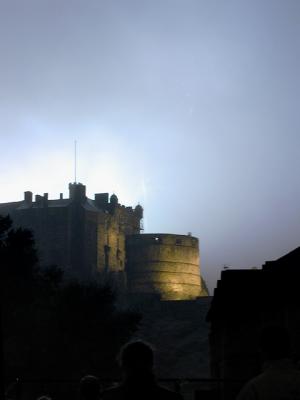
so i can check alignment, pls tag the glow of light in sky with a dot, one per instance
(187, 107)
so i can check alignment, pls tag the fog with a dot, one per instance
(188, 107)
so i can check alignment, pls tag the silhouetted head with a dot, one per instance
(89, 388)
(136, 358)
(275, 343)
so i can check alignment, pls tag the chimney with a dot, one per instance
(38, 200)
(61, 196)
(45, 200)
(101, 200)
(28, 198)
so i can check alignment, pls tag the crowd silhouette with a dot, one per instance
(279, 379)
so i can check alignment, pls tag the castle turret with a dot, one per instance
(28, 198)
(77, 191)
(139, 211)
(113, 203)
(114, 200)
(164, 264)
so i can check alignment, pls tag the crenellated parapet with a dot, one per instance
(86, 237)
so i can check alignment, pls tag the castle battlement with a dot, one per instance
(86, 237)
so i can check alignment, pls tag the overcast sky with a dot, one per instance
(189, 107)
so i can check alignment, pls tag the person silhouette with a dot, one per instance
(136, 361)
(89, 388)
(279, 380)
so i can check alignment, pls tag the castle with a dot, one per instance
(86, 237)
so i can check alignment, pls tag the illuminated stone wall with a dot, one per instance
(111, 233)
(86, 237)
(165, 264)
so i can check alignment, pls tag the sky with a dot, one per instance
(188, 107)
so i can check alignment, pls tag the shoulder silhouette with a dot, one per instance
(279, 380)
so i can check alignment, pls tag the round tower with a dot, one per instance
(163, 264)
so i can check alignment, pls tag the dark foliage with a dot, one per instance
(17, 253)
(53, 329)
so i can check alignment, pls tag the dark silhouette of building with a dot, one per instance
(244, 302)
(86, 237)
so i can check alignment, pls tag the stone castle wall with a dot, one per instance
(85, 237)
(52, 233)
(165, 264)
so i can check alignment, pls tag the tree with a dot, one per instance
(18, 257)
(53, 328)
